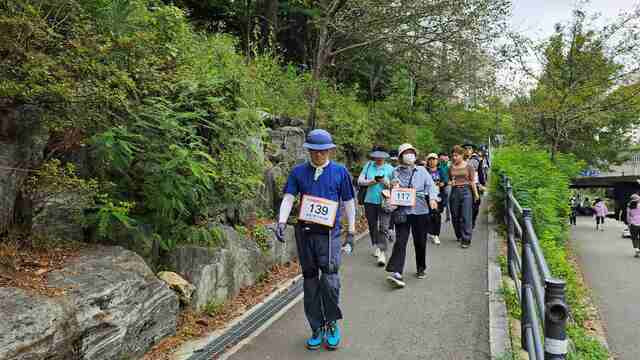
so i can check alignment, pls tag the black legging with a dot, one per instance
(434, 225)
(635, 235)
(476, 211)
(372, 212)
(417, 225)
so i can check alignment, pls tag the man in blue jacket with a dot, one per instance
(322, 185)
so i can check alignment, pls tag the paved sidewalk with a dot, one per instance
(611, 271)
(444, 316)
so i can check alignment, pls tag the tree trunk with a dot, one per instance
(554, 151)
(323, 49)
(269, 23)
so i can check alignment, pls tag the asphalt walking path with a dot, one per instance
(610, 270)
(444, 316)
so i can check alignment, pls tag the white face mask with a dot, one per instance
(409, 159)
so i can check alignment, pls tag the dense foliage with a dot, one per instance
(172, 118)
(167, 99)
(587, 97)
(542, 185)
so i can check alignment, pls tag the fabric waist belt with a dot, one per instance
(314, 228)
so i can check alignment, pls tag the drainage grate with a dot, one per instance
(246, 327)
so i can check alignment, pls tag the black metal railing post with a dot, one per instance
(526, 283)
(556, 315)
(544, 312)
(504, 180)
(510, 227)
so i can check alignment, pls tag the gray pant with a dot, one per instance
(446, 201)
(378, 221)
(319, 257)
(635, 236)
(461, 204)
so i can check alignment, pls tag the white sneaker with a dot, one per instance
(376, 252)
(637, 252)
(395, 280)
(347, 249)
(382, 260)
(435, 239)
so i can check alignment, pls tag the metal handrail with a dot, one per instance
(542, 297)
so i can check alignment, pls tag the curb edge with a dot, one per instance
(499, 340)
(197, 345)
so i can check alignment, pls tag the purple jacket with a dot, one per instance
(601, 209)
(633, 216)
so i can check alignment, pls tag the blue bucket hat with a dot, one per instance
(319, 140)
(378, 153)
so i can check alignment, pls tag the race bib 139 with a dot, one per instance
(318, 210)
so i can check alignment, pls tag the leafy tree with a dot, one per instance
(585, 101)
(343, 26)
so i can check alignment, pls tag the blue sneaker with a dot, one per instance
(333, 335)
(315, 341)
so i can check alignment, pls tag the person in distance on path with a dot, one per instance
(435, 220)
(411, 219)
(633, 219)
(472, 158)
(573, 215)
(600, 211)
(443, 165)
(376, 176)
(324, 183)
(463, 195)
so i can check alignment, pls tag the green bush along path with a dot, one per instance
(543, 185)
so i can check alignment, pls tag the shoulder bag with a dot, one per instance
(398, 217)
(362, 190)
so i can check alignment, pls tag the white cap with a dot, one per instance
(405, 147)
(432, 156)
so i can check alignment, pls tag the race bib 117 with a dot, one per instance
(403, 197)
(318, 210)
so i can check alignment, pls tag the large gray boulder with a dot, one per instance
(59, 217)
(35, 327)
(114, 307)
(218, 274)
(278, 121)
(274, 180)
(23, 137)
(286, 145)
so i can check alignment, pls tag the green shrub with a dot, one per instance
(261, 235)
(543, 185)
(213, 307)
(511, 299)
(586, 347)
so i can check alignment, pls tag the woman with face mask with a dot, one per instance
(376, 176)
(412, 219)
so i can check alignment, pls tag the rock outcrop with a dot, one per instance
(286, 145)
(178, 284)
(220, 273)
(114, 307)
(23, 138)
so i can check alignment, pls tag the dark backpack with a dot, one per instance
(482, 176)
